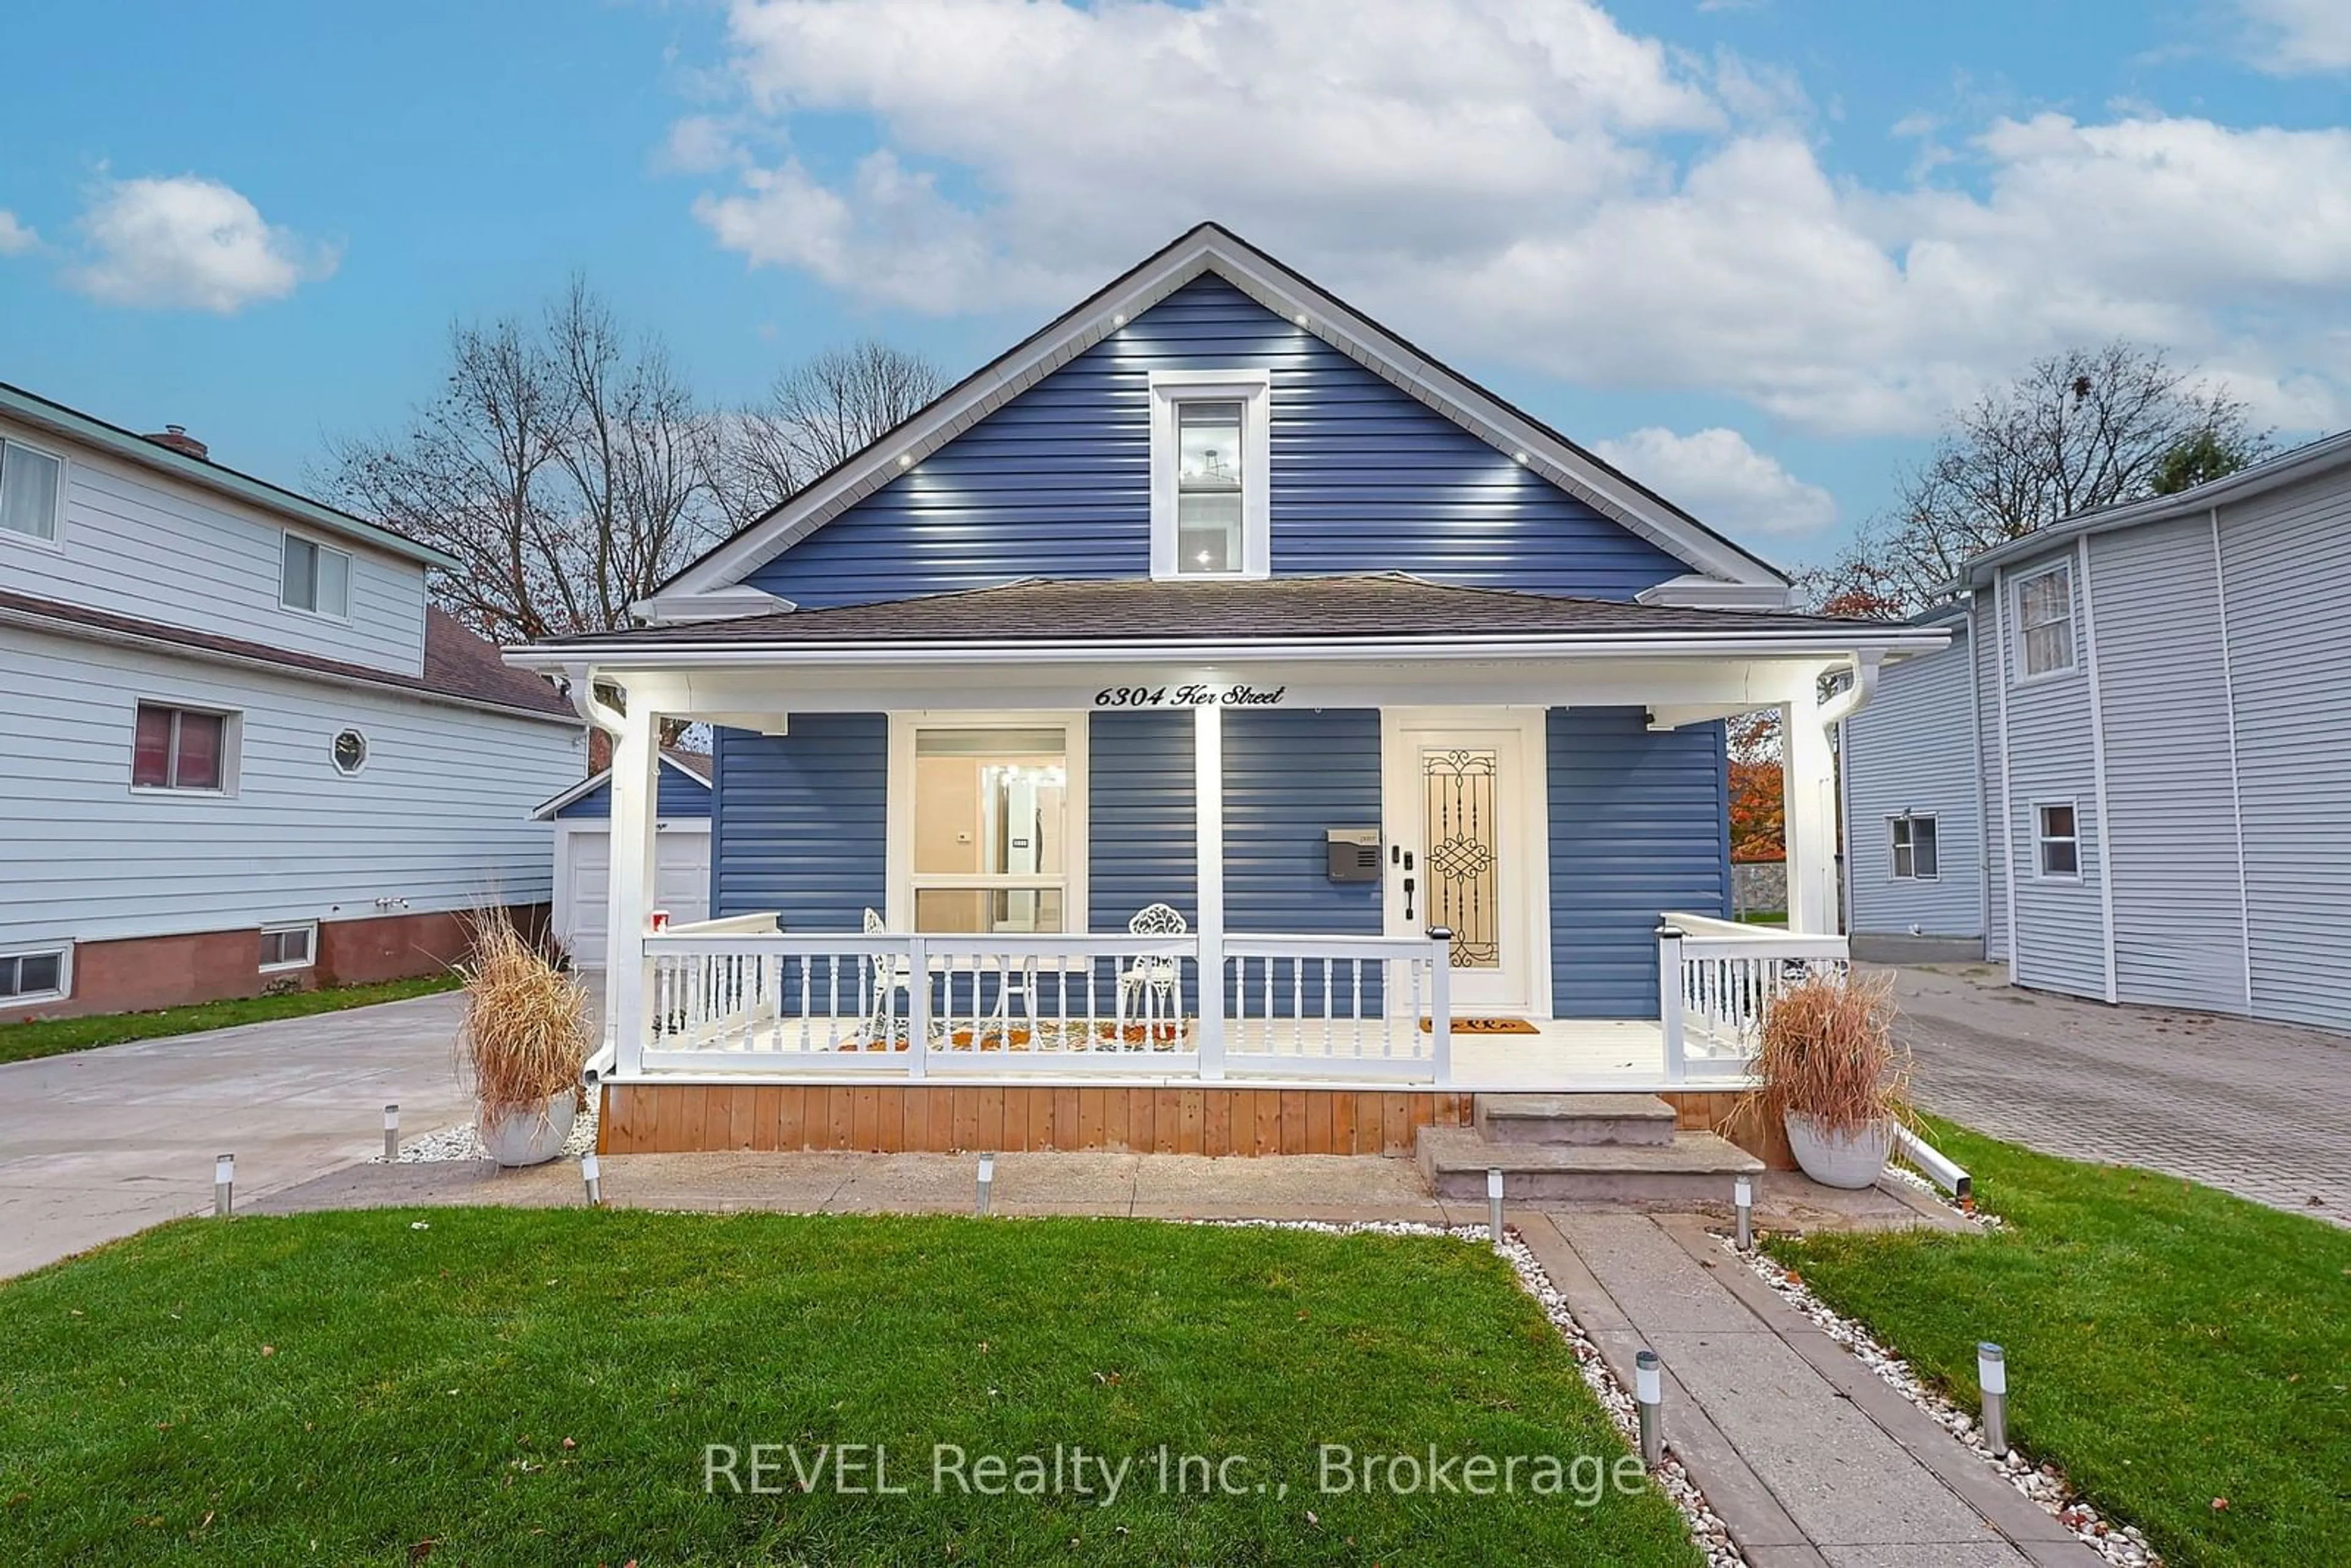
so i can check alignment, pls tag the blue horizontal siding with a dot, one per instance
(1291, 776)
(1142, 837)
(799, 822)
(1639, 824)
(1365, 478)
(680, 796)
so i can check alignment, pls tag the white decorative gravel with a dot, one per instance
(1706, 1527)
(462, 1142)
(2044, 1484)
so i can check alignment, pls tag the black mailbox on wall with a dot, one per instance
(1354, 854)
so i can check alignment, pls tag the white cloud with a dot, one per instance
(15, 237)
(1715, 475)
(188, 243)
(2291, 36)
(1527, 181)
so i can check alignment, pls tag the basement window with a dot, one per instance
(294, 946)
(36, 974)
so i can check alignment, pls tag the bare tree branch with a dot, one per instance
(2079, 430)
(817, 415)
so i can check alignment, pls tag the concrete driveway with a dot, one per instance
(99, 1143)
(2261, 1110)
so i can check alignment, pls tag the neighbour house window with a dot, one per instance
(30, 482)
(290, 947)
(1209, 452)
(315, 578)
(2057, 841)
(349, 751)
(35, 974)
(991, 818)
(1914, 846)
(181, 749)
(2044, 621)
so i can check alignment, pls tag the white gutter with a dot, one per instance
(1866, 648)
(1855, 697)
(594, 709)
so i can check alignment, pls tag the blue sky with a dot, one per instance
(1749, 248)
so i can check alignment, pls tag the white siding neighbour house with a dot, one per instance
(237, 747)
(2197, 750)
(1914, 846)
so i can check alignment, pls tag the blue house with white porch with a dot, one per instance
(1214, 642)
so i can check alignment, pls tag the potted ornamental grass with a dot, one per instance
(1828, 1069)
(525, 1039)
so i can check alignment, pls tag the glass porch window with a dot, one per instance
(1209, 477)
(991, 823)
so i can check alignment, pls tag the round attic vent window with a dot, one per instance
(350, 751)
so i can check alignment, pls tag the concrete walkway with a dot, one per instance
(2261, 1110)
(1809, 1458)
(95, 1144)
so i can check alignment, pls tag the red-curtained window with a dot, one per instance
(177, 749)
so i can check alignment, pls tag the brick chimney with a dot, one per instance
(177, 438)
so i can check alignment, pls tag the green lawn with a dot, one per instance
(54, 1037)
(2168, 1344)
(235, 1392)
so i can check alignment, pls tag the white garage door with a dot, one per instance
(681, 883)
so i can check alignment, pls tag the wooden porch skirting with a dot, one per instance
(1212, 1119)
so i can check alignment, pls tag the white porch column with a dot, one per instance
(1808, 801)
(636, 757)
(1208, 832)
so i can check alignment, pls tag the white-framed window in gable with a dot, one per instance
(2056, 842)
(1911, 847)
(32, 491)
(315, 579)
(36, 972)
(986, 822)
(292, 945)
(2045, 622)
(1211, 443)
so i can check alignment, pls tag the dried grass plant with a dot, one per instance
(526, 1033)
(1827, 1052)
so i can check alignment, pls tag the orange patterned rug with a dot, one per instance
(1487, 1025)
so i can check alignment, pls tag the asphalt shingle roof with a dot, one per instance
(1372, 605)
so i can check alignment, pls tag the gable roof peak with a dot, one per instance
(1209, 246)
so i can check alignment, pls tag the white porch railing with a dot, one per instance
(738, 997)
(1716, 978)
(1344, 1007)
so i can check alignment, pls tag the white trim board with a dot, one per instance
(1206, 250)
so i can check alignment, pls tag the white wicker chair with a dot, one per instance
(891, 975)
(1154, 977)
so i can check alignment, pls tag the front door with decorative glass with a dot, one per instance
(1465, 852)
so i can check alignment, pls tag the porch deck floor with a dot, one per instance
(1562, 1053)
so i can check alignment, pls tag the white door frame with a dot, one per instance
(1529, 858)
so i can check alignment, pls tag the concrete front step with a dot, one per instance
(1633, 1119)
(1695, 1168)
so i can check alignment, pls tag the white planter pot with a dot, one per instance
(1849, 1159)
(529, 1137)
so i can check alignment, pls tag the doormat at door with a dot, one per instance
(1485, 1025)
